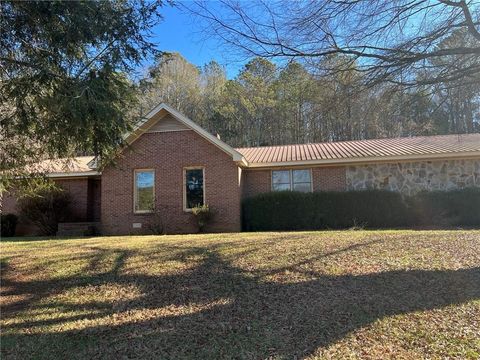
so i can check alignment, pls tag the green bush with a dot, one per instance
(8, 224)
(46, 208)
(448, 208)
(288, 210)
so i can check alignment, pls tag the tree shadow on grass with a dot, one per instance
(223, 311)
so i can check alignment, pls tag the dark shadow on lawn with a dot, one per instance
(260, 319)
(50, 238)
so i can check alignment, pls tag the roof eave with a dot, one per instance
(371, 159)
(73, 174)
(241, 161)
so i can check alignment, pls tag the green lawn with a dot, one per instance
(326, 295)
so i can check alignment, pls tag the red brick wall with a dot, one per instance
(332, 178)
(8, 204)
(78, 189)
(323, 178)
(94, 200)
(168, 153)
(256, 182)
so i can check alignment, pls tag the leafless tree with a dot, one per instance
(387, 40)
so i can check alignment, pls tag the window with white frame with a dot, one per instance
(144, 191)
(194, 190)
(296, 180)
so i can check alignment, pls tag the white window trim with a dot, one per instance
(135, 171)
(291, 178)
(184, 185)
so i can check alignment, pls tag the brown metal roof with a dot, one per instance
(371, 150)
(420, 147)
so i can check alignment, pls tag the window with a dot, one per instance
(144, 191)
(194, 194)
(301, 180)
(281, 180)
(297, 180)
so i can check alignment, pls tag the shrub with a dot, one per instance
(46, 208)
(289, 210)
(159, 220)
(8, 224)
(449, 208)
(366, 209)
(156, 224)
(203, 215)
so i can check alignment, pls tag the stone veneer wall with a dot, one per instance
(412, 177)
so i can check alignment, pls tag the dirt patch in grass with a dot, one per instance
(346, 294)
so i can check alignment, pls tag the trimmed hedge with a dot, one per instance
(8, 225)
(288, 210)
(449, 208)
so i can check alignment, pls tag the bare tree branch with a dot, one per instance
(385, 38)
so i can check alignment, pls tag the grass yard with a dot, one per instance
(325, 295)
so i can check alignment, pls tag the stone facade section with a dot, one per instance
(168, 153)
(412, 177)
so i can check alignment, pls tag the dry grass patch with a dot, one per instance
(326, 295)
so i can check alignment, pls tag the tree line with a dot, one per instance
(268, 104)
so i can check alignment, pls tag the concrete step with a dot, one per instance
(78, 229)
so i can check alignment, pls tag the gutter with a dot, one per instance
(73, 174)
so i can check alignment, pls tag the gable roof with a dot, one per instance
(342, 152)
(160, 111)
(411, 148)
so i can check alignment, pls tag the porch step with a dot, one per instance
(78, 228)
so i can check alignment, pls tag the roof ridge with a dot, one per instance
(359, 140)
(400, 148)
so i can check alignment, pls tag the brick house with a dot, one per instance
(171, 164)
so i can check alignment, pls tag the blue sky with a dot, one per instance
(179, 32)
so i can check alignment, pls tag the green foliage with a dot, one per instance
(269, 105)
(449, 208)
(8, 225)
(252, 100)
(203, 215)
(288, 210)
(46, 208)
(63, 84)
